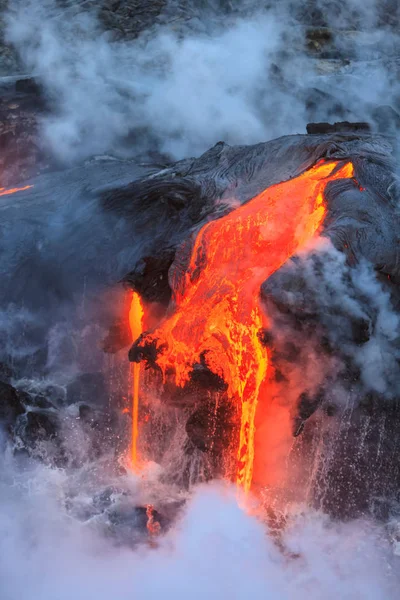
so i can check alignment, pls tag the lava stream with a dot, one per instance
(218, 316)
(135, 322)
(6, 192)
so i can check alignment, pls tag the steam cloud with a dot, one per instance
(243, 79)
(216, 550)
(320, 281)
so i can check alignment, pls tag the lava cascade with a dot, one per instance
(136, 314)
(218, 317)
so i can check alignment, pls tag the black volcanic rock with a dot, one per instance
(129, 18)
(211, 427)
(40, 401)
(86, 413)
(306, 407)
(89, 388)
(318, 128)
(10, 404)
(104, 499)
(6, 373)
(149, 278)
(361, 330)
(40, 425)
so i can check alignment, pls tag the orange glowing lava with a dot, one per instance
(218, 313)
(135, 322)
(153, 526)
(6, 192)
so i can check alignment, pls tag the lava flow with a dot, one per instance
(218, 316)
(6, 192)
(135, 322)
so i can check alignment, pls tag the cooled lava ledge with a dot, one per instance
(362, 220)
(106, 219)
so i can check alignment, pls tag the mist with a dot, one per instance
(215, 549)
(242, 77)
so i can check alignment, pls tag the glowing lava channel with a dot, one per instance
(135, 322)
(218, 313)
(6, 192)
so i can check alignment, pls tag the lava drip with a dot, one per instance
(218, 318)
(135, 322)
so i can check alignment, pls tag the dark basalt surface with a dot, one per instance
(10, 404)
(95, 226)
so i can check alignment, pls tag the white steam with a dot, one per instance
(378, 357)
(357, 293)
(180, 92)
(216, 551)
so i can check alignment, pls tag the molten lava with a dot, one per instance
(6, 192)
(153, 526)
(218, 316)
(135, 322)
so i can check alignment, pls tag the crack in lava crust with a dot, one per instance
(218, 315)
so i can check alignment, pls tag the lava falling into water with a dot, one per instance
(218, 316)
(135, 322)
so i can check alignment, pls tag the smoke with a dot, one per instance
(355, 295)
(378, 358)
(333, 343)
(216, 549)
(345, 308)
(241, 78)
